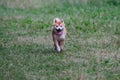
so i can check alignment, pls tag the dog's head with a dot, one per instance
(58, 25)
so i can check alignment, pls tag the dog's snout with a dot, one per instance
(59, 29)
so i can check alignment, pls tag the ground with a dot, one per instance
(92, 48)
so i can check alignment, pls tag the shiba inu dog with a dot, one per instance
(58, 34)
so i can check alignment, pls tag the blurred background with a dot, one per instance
(92, 49)
(41, 3)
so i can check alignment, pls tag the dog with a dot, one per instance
(58, 34)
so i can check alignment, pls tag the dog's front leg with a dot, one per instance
(62, 45)
(56, 45)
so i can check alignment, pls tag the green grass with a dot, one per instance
(92, 49)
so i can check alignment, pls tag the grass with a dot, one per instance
(92, 46)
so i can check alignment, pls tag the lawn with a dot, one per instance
(92, 48)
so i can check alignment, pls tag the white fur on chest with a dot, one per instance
(61, 37)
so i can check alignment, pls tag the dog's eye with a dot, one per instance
(56, 26)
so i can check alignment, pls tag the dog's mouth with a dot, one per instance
(59, 31)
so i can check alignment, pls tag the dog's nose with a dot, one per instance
(59, 30)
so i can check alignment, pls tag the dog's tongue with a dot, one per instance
(60, 33)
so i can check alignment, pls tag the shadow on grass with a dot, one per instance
(51, 51)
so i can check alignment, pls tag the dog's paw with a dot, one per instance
(55, 48)
(58, 49)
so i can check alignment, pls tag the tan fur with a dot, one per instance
(59, 40)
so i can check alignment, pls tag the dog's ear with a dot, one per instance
(54, 20)
(62, 21)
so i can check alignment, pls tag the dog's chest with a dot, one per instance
(61, 37)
